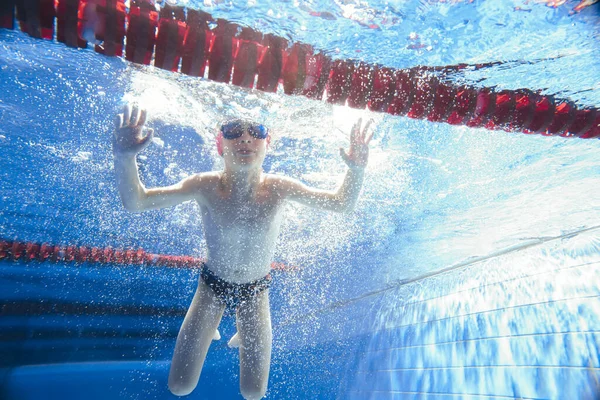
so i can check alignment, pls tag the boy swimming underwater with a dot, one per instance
(241, 209)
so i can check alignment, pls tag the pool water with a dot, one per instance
(469, 269)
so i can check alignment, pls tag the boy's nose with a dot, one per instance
(246, 137)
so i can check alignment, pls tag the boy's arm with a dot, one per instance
(344, 198)
(137, 198)
(127, 142)
(341, 200)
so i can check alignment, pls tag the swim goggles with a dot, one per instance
(235, 129)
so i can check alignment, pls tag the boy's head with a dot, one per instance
(243, 140)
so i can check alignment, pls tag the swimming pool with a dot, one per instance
(468, 270)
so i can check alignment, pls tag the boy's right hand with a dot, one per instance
(128, 138)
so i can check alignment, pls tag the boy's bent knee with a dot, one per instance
(254, 393)
(180, 388)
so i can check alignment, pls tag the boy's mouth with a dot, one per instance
(245, 152)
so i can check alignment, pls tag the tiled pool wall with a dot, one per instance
(524, 324)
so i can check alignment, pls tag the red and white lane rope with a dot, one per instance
(29, 251)
(181, 40)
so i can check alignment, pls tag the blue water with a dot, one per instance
(470, 268)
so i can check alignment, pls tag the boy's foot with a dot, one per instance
(217, 335)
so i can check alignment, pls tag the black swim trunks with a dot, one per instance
(233, 294)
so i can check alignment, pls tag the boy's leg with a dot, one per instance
(254, 327)
(195, 336)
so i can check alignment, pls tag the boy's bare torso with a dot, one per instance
(241, 228)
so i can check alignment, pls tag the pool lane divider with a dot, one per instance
(192, 42)
(30, 251)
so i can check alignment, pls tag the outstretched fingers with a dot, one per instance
(134, 116)
(126, 114)
(355, 132)
(142, 119)
(119, 121)
(359, 134)
(367, 138)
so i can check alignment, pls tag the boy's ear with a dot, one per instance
(219, 142)
(268, 141)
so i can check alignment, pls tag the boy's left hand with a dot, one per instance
(358, 155)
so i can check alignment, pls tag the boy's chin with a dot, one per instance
(247, 163)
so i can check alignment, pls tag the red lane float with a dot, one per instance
(584, 123)
(463, 106)
(564, 115)
(542, 114)
(484, 108)
(295, 69)
(442, 103)
(7, 14)
(69, 23)
(245, 65)
(340, 79)
(36, 18)
(382, 90)
(28, 251)
(424, 88)
(524, 109)
(196, 47)
(402, 97)
(270, 65)
(317, 72)
(104, 25)
(170, 38)
(361, 85)
(222, 52)
(249, 59)
(503, 109)
(594, 129)
(141, 31)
